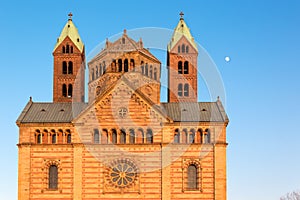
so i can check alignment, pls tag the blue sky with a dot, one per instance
(261, 81)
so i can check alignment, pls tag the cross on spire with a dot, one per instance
(181, 15)
(70, 16)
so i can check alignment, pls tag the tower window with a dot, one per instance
(64, 90)
(96, 136)
(71, 49)
(64, 67)
(39, 138)
(123, 137)
(70, 90)
(155, 74)
(140, 136)
(149, 136)
(126, 65)
(142, 67)
(187, 49)
(177, 137)
(97, 72)
(53, 177)
(186, 90)
(132, 65)
(120, 65)
(184, 136)
(104, 67)
(54, 138)
(180, 90)
(68, 49)
(146, 69)
(64, 49)
(70, 67)
(192, 174)
(192, 136)
(180, 67)
(186, 67)
(178, 49)
(69, 138)
(183, 48)
(151, 75)
(104, 136)
(207, 136)
(93, 74)
(100, 70)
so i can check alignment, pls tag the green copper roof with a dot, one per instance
(70, 31)
(181, 30)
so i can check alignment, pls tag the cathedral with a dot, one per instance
(123, 143)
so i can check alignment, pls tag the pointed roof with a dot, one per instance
(70, 31)
(181, 30)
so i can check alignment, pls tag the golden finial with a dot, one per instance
(70, 16)
(181, 15)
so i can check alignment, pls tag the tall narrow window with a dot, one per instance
(104, 136)
(178, 49)
(93, 74)
(71, 49)
(146, 69)
(64, 49)
(184, 136)
(123, 137)
(100, 70)
(151, 71)
(70, 67)
(64, 90)
(39, 138)
(53, 177)
(155, 74)
(187, 49)
(114, 136)
(70, 90)
(177, 137)
(192, 136)
(200, 136)
(192, 174)
(54, 138)
(186, 67)
(131, 136)
(69, 138)
(142, 67)
(64, 67)
(104, 67)
(120, 65)
(68, 49)
(132, 65)
(186, 90)
(126, 65)
(180, 90)
(207, 136)
(96, 136)
(140, 136)
(183, 48)
(97, 72)
(180, 67)
(149, 136)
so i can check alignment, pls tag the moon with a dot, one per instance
(227, 59)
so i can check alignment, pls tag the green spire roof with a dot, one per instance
(181, 30)
(70, 31)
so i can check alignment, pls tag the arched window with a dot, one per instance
(64, 49)
(96, 136)
(180, 67)
(114, 136)
(97, 72)
(180, 90)
(177, 136)
(132, 65)
(126, 65)
(192, 175)
(155, 74)
(131, 136)
(186, 67)
(120, 65)
(64, 67)
(183, 48)
(149, 136)
(179, 49)
(186, 49)
(68, 49)
(71, 49)
(200, 136)
(69, 139)
(207, 136)
(93, 75)
(140, 136)
(104, 136)
(186, 90)
(185, 136)
(54, 138)
(142, 67)
(70, 67)
(70, 90)
(64, 90)
(151, 71)
(39, 138)
(192, 136)
(104, 67)
(123, 137)
(53, 177)
(146, 69)
(100, 70)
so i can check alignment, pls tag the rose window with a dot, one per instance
(123, 173)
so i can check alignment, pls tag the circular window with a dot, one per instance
(123, 173)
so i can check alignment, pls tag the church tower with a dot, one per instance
(69, 65)
(182, 65)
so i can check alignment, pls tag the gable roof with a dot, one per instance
(50, 112)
